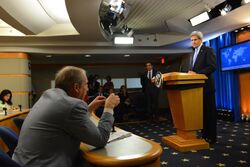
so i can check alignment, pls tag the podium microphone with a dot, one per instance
(5, 111)
(20, 107)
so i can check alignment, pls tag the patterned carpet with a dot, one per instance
(231, 150)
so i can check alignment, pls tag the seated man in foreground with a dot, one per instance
(59, 121)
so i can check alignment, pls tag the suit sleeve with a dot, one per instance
(81, 127)
(210, 66)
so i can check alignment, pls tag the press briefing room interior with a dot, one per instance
(124, 83)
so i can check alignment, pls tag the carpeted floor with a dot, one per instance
(231, 150)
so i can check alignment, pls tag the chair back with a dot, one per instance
(9, 137)
(6, 161)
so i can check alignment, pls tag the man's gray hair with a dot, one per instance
(198, 34)
(68, 76)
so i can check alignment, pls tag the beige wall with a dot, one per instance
(15, 75)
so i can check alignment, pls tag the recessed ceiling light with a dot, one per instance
(126, 55)
(242, 28)
(235, 30)
(48, 56)
(87, 55)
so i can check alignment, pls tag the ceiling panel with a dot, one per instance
(151, 14)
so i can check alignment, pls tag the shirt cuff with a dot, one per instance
(109, 110)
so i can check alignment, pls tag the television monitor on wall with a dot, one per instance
(235, 57)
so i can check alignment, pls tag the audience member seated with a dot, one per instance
(5, 99)
(125, 104)
(111, 90)
(101, 92)
(59, 121)
(138, 105)
(99, 111)
(9, 137)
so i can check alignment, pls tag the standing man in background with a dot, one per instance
(60, 120)
(151, 92)
(204, 62)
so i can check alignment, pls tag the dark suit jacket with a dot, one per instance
(206, 64)
(146, 83)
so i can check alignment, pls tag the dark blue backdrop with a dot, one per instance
(226, 83)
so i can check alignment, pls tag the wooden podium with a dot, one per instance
(185, 96)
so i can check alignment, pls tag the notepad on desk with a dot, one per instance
(114, 136)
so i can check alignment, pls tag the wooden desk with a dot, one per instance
(7, 121)
(130, 151)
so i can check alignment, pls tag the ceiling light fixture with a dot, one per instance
(126, 55)
(87, 55)
(199, 18)
(124, 40)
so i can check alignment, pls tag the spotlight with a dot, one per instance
(128, 31)
(225, 10)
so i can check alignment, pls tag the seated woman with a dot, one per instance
(124, 106)
(5, 99)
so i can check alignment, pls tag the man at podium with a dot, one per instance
(203, 61)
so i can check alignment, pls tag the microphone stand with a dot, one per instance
(113, 127)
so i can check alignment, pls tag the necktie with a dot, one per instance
(195, 56)
(149, 75)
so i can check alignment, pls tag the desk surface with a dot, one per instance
(12, 114)
(133, 150)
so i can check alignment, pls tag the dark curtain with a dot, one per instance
(226, 83)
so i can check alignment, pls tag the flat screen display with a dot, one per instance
(235, 57)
